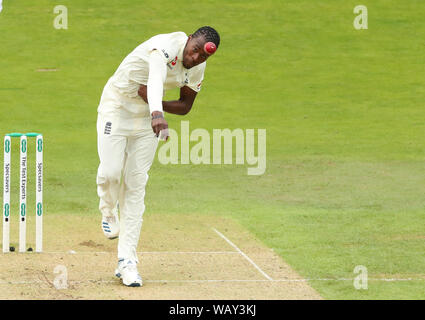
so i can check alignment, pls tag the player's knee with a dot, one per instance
(109, 175)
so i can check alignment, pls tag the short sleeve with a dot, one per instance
(196, 75)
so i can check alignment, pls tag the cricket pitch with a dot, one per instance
(181, 257)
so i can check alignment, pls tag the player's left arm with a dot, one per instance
(181, 106)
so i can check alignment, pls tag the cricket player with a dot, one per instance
(130, 122)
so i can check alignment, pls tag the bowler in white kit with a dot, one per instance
(130, 122)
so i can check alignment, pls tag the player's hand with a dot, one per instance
(158, 122)
(143, 92)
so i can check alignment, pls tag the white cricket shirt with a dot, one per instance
(134, 70)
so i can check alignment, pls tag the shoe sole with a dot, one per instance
(110, 237)
(107, 235)
(133, 285)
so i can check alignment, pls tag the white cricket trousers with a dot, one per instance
(126, 147)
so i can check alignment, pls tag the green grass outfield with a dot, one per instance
(343, 108)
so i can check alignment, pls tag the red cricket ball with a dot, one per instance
(210, 47)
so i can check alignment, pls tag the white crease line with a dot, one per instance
(243, 254)
(143, 252)
(2, 282)
(284, 280)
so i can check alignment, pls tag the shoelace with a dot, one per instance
(110, 219)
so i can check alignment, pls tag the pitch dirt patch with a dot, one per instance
(181, 257)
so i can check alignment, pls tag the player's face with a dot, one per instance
(194, 53)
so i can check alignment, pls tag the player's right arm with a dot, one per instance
(155, 86)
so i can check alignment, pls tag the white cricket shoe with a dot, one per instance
(111, 226)
(127, 272)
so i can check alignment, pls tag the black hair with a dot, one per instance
(209, 33)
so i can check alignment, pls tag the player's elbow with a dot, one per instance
(184, 112)
(186, 108)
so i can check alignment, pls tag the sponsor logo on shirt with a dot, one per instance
(172, 63)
